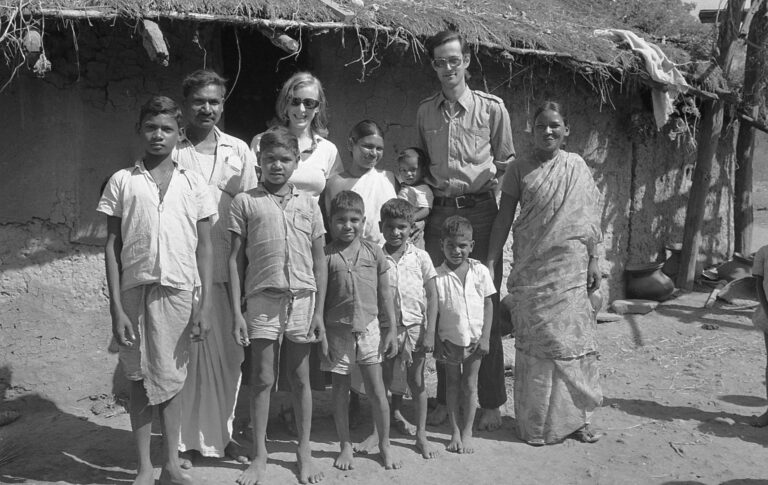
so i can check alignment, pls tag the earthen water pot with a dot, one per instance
(672, 263)
(738, 267)
(647, 282)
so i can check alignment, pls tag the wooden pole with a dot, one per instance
(754, 100)
(709, 137)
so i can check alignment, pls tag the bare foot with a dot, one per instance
(186, 459)
(438, 415)
(455, 444)
(369, 445)
(467, 445)
(388, 459)
(761, 421)
(490, 420)
(145, 477)
(403, 425)
(345, 460)
(308, 473)
(427, 449)
(169, 476)
(255, 473)
(235, 452)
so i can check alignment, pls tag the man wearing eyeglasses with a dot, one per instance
(228, 165)
(468, 137)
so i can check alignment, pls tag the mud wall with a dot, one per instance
(74, 128)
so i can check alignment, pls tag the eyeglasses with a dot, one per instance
(443, 62)
(308, 103)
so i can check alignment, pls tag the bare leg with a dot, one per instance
(170, 419)
(469, 390)
(452, 391)
(263, 354)
(374, 387)
(341, 384)
(398, 420)
(297, 356)
(371, 443)
(141, 424)
(419, 393)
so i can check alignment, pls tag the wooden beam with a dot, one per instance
(754, 124)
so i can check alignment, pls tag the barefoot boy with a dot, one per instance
(358, 287)
(158, 238)
(280, 232)
(465, 311)
(411, 277)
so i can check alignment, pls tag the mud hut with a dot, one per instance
(71, 105)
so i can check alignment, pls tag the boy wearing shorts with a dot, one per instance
(358, 288)
(279, 231)
(158, 251)
(465, 311)
(411, 277)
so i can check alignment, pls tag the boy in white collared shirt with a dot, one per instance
(464, 288)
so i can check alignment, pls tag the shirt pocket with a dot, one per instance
(367, 272)
(229, 175)
(475, 142)
(302, 221)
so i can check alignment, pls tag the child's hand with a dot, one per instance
(481, 347)
(324, 347)
(123, 330)
(593, 275)
(316, 329)
(240, 330)
(390, 343)
(201, 323)
(428, 342)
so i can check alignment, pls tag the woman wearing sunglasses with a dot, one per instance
(301, 108)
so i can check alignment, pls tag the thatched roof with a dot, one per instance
(561, 30)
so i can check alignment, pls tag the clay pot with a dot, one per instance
(672, 263)
(738, 267)
(647, 282)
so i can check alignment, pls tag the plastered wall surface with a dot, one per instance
(71, 133)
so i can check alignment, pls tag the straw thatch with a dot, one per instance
(559, 30)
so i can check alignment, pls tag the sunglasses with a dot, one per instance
(308, 103)
(443, 62)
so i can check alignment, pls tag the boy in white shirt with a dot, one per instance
(465, 311)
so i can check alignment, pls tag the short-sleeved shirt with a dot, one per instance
(375, 187)
(407, 278)
(461, 308)
(278, 240)
(353, 284)
(159, 237)
(233, 172)
(463, 147)
(420, 196)
(318, 163)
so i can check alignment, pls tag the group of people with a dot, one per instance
(287, 251)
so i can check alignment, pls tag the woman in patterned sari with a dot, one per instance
(555, 249)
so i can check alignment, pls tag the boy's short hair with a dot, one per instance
(160, 105)
(456, 226)
(279, 136)
(346, 200)
(444, 37)
(397, 209)
(200, 79)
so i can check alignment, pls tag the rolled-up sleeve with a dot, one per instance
(502, 145)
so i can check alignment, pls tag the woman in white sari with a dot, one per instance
(555, 249)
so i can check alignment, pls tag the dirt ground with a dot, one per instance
(679, 400)
(678, 404)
